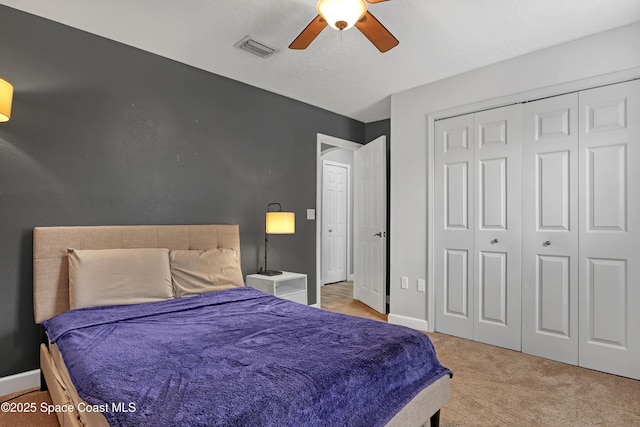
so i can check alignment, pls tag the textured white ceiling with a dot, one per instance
(343, 73)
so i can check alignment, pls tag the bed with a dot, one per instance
(87, 356)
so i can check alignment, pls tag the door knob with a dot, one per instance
(330, 230)
(378, 234)
(547, 243)
(494, 241)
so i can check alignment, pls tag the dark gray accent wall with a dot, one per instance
(102, 133)
(374, 130)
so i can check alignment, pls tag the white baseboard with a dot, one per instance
(316, 305)
(409, 322)
(19, 382)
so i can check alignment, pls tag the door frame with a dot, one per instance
(531, 95)
(339, 143)
(348, 214)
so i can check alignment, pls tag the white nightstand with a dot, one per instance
(291, 286)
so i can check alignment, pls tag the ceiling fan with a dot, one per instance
(342, 15)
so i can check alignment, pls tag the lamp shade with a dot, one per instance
(6, 98)
(342, 14)
(280, 223)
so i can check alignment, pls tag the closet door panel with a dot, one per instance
(552, 296)
(553, 173)
(492, 288)
(550, 228)
(607, 287)
(453, 221)
(456, 194)
(610, 229)
(493, 194)
(497, 238)
(606, 186)
(456, 283)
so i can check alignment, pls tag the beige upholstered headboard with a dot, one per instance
(50, 244)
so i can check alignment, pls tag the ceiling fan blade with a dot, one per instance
(375, 1)
(376, 33)
(307, 35)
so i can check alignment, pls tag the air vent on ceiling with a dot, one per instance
(255, 47)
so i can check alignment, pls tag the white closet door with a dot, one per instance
(550, 228)
(453, 219)
(497, 237)
(610, 229)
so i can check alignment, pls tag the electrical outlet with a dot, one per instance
(404, 282)
(421, 285)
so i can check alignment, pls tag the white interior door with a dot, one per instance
(454, 226)
(576, 194)
(370, 224)
(497, 237)
(550, 228)
(334, 221)
(477, 226)
(610, 229)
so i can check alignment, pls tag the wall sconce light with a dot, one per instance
(6, 98)
(276, 222)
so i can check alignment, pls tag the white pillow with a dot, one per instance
(118, 276)
(197, 272)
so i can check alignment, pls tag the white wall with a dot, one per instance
(505, 82)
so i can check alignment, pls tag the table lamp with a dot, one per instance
(276, 222)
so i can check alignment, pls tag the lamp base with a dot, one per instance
(269, 272)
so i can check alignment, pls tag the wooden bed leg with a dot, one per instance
(435, 419)
(43, 382)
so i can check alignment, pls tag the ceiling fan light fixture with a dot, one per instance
(342, 14)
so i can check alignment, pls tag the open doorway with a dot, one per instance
(333, 150)
(365, 228)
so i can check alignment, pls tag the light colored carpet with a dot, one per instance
(491, 386)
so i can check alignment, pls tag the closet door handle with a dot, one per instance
(547, 243)
(494, 241)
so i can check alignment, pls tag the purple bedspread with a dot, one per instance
(241, 358)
